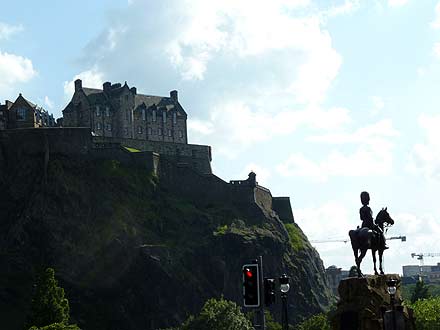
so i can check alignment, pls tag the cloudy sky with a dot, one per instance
(322, 99)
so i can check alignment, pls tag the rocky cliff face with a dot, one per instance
(132, 254)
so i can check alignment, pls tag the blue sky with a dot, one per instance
(322, 99)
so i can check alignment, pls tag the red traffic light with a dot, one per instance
(248, 273)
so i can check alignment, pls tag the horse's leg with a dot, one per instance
(373, 252)
(359, 260)
(380, 261)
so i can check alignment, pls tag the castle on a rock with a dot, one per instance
(117, 123)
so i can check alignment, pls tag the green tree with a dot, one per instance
(271, 324)
(49, 307)
(218, 314)
(426, 312)
(316, 322)
(353, 272)
(421, 291)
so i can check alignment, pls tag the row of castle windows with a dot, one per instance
(140, 130)
(144, 117)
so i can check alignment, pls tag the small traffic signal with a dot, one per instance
(251, 285)
(269, 291)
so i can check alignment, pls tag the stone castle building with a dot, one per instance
(118, 111)
(24, 114)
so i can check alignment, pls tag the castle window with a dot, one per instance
(126, 131)
(159, 131)
(174, 118)
(109, 127)
(98, 126)
(139, 129)
(107, 111)
(154, 115)
(143, 114)
(126, 97)
(164, 117)
(149, 131)
(180, 134)
(98, 112)
(21, 114)
(169, 132)
(126, 115)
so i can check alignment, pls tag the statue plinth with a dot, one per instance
(363, 302)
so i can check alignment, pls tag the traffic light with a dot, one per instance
(251, 285)
(269, 291)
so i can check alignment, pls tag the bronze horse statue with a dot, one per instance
(363, 239)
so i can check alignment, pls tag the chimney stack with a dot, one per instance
(106, 86)
(78, 85)
(133, 90)
(173, 95)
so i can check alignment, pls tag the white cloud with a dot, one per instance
(347, 7)
(372, 156)
(48, 102)
(266, 66)
(232, 28)
(92, 78)
(6, 30)
(397, 3)
(331, 220)
(436, 49)
(436, 23)
(378, 104)
(14, 69)
(425, 157)
(241, 126)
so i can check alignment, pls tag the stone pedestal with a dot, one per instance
(363, 302)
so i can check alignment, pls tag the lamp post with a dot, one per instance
(284, 288)
(392, 289)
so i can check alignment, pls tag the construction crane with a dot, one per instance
(402, 238)
(420, 256)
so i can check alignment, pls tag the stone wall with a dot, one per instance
(196, 156)
(363, 303)
(72, 141)
(282, 206)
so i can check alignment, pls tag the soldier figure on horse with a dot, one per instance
(366, 216)
(370, 235)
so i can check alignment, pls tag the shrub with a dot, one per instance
(426, 312)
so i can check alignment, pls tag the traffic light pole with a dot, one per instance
(262, 323)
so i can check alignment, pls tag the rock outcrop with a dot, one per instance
(132, 253)
(363, 302)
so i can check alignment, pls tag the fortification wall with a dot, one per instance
(30, 141)
(282, 206)
(197, 156)
(263, 197)
(147, 160)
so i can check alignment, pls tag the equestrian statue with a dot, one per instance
(370, 235)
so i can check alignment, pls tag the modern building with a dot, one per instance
(120, 112)
(429, 273)
(24, 114)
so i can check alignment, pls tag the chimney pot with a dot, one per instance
(78, 85)
(106, 86)
(173, 95)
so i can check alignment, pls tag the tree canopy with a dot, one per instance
(218, 314)
(421, 291)
(49, 307)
